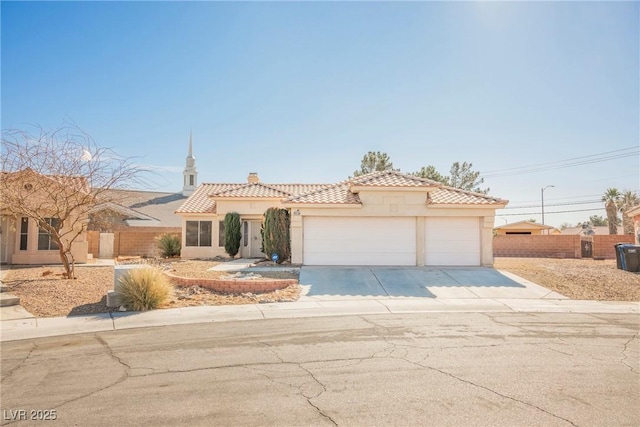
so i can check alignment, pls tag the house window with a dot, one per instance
(198, 233)
(221, 233)
(24, 233)
(45, 242)
(245, 233)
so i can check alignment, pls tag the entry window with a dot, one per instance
(221, 233)
(198, 233)
(245, 234)
(24, 233)
(45, 242)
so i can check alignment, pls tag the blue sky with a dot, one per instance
(299, 92)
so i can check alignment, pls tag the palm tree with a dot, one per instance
(611, 199)
(628, 200)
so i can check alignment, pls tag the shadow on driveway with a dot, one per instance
(397, 281)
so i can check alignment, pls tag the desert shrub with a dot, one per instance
(232, 233)
(144, 289)
(275, 233)
(169, 245)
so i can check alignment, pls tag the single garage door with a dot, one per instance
(359, 241)
(452, 241)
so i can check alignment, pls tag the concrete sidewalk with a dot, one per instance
(16, 323)
(30, 327)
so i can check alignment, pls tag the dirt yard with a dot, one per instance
(584, 279)
(44, 293)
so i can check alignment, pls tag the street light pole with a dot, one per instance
(542, 199)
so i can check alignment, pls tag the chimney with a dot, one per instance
(253, 178)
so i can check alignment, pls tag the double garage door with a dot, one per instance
(390, 241)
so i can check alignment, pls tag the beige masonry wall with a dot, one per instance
(249, 210)
(32, 255)
(389, 204)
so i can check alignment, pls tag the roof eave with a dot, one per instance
(467, 205)
(293, 205)
(413, 189)
(246, 198)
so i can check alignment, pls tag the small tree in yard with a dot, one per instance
(232, 233)
(275, 233)
(57, 178)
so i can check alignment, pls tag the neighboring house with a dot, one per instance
(590, 231)
(22, 241)
(382, 218)
(524, 227)
(132, 220)
(635, 215)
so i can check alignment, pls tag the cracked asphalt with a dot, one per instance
(547, 369)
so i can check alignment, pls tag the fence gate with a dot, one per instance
(106, 245)
(586, 247)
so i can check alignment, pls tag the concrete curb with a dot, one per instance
(20, 329)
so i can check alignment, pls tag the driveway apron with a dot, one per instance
(428, 282)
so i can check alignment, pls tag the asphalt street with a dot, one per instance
(546, 369)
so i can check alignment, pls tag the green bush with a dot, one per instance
(169, 245)
(275, 234)
(144, 289)
(232, 233)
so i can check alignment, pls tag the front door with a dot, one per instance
(256, 239)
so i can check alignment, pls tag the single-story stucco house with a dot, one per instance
(381, 218)
(22, 240)
(634, 213)
(523, 227)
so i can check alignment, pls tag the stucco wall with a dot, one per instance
(392, 204)
(32, 255)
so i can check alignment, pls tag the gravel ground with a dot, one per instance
(584, 279)
(44, 293)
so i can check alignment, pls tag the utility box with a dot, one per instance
(628, 257)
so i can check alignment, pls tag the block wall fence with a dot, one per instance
(134, 241)
(142, 241)
(526, 246)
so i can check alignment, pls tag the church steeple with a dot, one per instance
(190, 172)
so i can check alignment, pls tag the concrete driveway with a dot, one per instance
(430, 282)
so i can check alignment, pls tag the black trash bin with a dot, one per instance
(630, 257)
(618, 249)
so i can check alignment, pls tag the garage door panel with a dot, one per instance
(359, 241)
(346, 258)
(452, 241)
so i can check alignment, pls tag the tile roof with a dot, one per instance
(455, 196)
(392, 179)
(333, 194)
(201, 202)
(203, 199)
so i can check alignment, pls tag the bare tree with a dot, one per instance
(57, 178)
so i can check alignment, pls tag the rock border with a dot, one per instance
(236, 286)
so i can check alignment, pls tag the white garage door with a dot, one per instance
(452, 241)
(359, 241)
